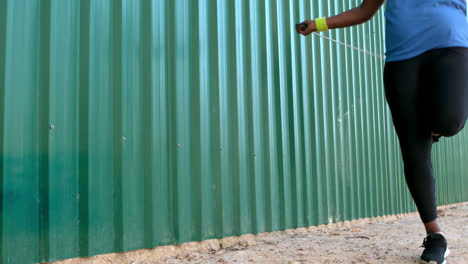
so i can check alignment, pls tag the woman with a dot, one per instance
(426, 87)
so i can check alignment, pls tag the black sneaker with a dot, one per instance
(436, 249)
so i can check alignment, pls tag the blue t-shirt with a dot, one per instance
(416, 26)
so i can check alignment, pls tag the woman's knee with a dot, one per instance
(449, 127)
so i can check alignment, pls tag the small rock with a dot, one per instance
(270, 242)
(248, 243)
(227, 243)
(180, 258)
(194, 255)
(251, 243)
(221, 260)
(236, 247)
(214, 247)
(219, 252)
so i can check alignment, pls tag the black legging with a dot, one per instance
(426, 94)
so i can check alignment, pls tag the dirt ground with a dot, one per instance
(390, 239)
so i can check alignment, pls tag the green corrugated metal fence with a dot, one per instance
(133, 124)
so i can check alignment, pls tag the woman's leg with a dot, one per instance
(404, 90)
(447, 71)
(427, 95)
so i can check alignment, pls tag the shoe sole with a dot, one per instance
(447, 253)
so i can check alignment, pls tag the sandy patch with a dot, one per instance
(390, 239)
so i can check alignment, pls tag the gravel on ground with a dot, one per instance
(389, 239)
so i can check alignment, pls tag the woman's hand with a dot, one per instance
(306, 27)
(352, 17)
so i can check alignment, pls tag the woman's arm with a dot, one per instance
(355, 16)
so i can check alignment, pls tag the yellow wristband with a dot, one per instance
(321, 24)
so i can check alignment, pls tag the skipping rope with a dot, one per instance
(373, 54)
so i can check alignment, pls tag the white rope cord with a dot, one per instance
(370, 53)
